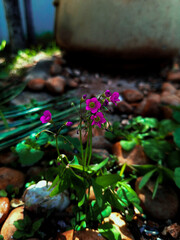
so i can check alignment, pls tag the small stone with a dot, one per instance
(73, 83)
(56, 84)
(36, 84)
(173, 76)
(132, 95)
(8, 228)
(124, 107)
(101, 152)
(55, 69)
(37, 196)
(134, 157)
(7, 157)
(168, 87)
(88, 234)
(10, 176)
(100, 142)
(4, 208)
(66, 235)
(170, 99)
(150, 106)
(173, 230)
(118, 220)
(163, 206)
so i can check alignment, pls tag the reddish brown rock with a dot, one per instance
(168, 87)
(99, 142)
(73, 83)
(10, 176)
(132, 95)
(134, 157)
(55, 69)
(170, 99)
(150, 106)
(173, 76)
(173, 230)
(87, 235)
(166, 112)
(7, 157)
(36, 84)
(8, 228)
(118, 221)
(56, 84)
(68, 235)
(124, 107)
(4, 208)
(165, 204)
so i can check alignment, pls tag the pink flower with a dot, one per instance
(107, 93)
(69, 124)
(93, 105)
(46, 117)
(98, 119)
(105, 103)
(115, 98)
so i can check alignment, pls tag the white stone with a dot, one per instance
(37, 196)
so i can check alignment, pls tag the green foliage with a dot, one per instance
(2, 45)
(26, 228)
(29, 152)
(109, 231)
(1, 237)
(177, 176)
(3, 193)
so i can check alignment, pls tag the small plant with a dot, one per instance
(79, 175)
(26, 228)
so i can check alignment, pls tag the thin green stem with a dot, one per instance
(56, 136)
(87, 148)
(90, 145)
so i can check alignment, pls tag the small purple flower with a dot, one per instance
(93, 105)
(115, 98)
(105, 103)
(98, 119)
(107, 93)
(46, 117)
(84, 96)
(69, 124)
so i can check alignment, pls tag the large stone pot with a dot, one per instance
(123, 28)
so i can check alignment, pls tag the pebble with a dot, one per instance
(88, 235)
(36, 84)
(118, 220)
(4, 208)
(173, 230)
(124, 107)
(168, 87)
(169, 99)
(99, 142)
(131, 95)
(55, 69)
(10, 176)
(37, 196)
(165, 204)
(8, 228)
(173, 76)
(135, 156)
(7, 157)
(56, 84)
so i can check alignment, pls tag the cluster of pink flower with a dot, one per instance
(94, 106)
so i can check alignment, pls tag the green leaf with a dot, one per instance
(27, 154)
(156, 149)
(146, 178)
(3, 193)
(109, 231)
(108, 180)
(98, 193)
(36, 225)
(158, 181)
(176, 135)
(19, 235)
(176, 115)
(96, 167)
(167, 126)
(143, 169)
(128, 145)
(173, 159)
(177, 176)
(1, 237)
(114, 200)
